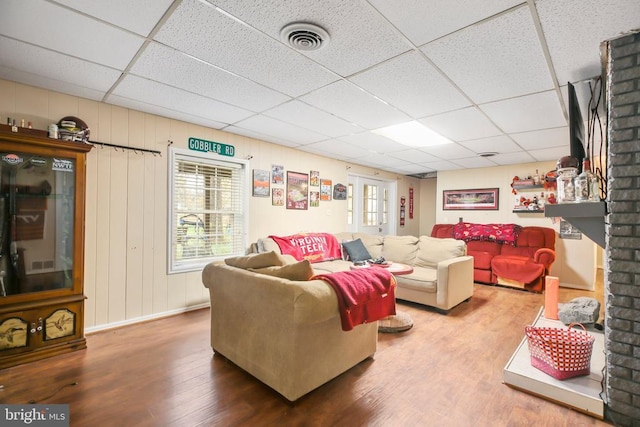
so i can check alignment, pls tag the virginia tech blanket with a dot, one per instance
(314, 247)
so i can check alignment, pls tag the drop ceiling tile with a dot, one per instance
(512, 158)
(423, 21)
(442, 165)
(449, 151)
(412, 84)
(574, 30)
(461, 125)
(497, 144)
(166, 65)
(353, 104)
(150, 92)
(496, 59)
(55, 66)
(303, 115)
(553, 153)
(139, 16)
(359, 36)
(335, 149)
(382, 159)
(413, 168)
(57, 28)
(546, 138)
(413, 156)
(280, 129)
(164, 112)
(373, 142)
(474, 162)
(204, 32)
(526, 113)
(261, 136)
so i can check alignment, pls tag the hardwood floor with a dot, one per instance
(445, 371)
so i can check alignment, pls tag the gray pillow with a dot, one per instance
(356, 250)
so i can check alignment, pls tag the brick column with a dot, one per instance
(622, 272)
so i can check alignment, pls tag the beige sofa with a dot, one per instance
(442, 272)
(288, 333)
(284, 332)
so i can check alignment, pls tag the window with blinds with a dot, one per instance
(207, 218)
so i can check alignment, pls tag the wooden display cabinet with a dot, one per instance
(42, 205)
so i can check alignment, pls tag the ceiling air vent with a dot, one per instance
(487, 154)
(304, 36)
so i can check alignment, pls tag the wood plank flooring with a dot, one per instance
(445, 371)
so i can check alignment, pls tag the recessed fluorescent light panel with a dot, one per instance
(413, 134)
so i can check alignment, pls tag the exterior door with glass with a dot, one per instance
(370, 206)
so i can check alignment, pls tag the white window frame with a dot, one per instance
(178, 154)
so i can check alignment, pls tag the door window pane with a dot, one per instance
(369, 205)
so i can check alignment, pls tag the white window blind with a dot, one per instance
(207, 218)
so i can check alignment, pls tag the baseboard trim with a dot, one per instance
(142, 319)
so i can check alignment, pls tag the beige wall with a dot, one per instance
(126, 211)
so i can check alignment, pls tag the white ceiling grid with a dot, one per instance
(490, 75)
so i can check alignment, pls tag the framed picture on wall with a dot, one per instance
(314, 199)
(325, 190)
(277, 174)
(261, 183)
(277, 196)
(297, 190)
(314, 178)
(476, 199)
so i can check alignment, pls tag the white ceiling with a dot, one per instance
(491, 75)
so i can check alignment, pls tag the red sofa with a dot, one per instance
(521, 262)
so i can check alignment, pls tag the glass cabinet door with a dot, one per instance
(36, 222)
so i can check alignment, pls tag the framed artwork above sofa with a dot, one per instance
(475, 199)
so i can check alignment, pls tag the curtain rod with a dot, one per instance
(124, 147)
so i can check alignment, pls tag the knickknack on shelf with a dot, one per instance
(534, 192)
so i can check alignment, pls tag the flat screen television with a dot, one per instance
(576, 128)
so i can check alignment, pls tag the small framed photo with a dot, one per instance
(325, 190)
(261, 183)
(314, 178)
(277, 196)
(277, 174)
(314, 199)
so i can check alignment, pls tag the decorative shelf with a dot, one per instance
(587, 217)
(524, 187)
(528, 211)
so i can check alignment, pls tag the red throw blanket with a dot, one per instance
(501, 233)
(314, 247)
(364, 295)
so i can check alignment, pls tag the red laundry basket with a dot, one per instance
(561, 353)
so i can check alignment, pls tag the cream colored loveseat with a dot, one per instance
(442, 272)
(286, 333)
